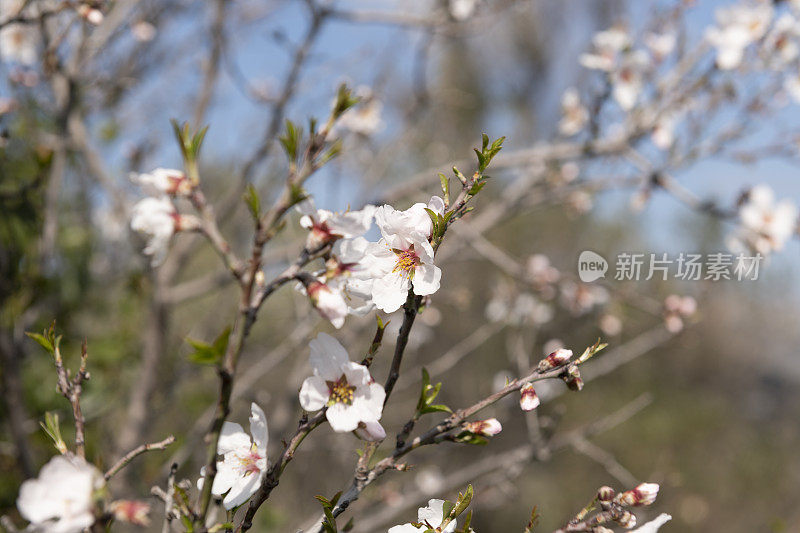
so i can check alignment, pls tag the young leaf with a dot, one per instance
(253, 201)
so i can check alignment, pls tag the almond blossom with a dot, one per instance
(347, 272)
(403, 258)
(244, 462)
(627, 79)
(62, 498)
(428, 518)
(327, 226)
(574, 114)
(344, 387)
(780, 45)
(488, 428)
(606, 48)
(164, 181)
(363, 119)
(642, 494)
(738, 27)
(158, 220)
(528, 400)
(328, 301)
(18, 42)
(765, 225)
(660, 44)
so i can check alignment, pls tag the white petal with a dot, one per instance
(342, 418)
(258, 428)
(241, 491)
(433, 513)
(314, 394)
(389, 293)
(227, 474)
(327, 356)
(427, 278)
(232, 438)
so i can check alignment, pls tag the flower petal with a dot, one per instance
(258, 428)
(327, 356)
(314, 394)
(427, 279)
(241, 491)
(342, 418)
(232, 438)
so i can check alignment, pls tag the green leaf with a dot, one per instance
(291, 140)
(349, 525)
(466, 437)
(435, 409)
(447, 509)
(253, 201)
(445, 189)
(43, 341)
(435, 221)
(463, 502)
(344, 101)
(210, 354)
(475, 189)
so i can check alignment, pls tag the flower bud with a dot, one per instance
(92, 15)
(575, 384)
(487, 428)
(528, 400)
(605, 493)
(370, 431)
(643, 494)
(627, 520)
(131, 511)
(555, 359)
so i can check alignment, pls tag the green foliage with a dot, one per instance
(291, 140)
(210, 354)
(487, 152)
(329, 523)
(253, 201)
(188, 141)
(427, 395)
(534, 520)
(52, 428)
(345, 99)
(589, 352)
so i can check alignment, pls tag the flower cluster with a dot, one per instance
(361, 275)
(156, 216)
(764, 224)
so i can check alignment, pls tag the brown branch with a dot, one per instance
(131, 455)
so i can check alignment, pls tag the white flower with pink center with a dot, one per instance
(487, 428)
(738, 27)
(327, 226)
(346, 388)
(428, 518)
(244, 462)
(403, 258)
(606, 48)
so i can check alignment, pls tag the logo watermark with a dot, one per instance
(591, 266)
(628, 266)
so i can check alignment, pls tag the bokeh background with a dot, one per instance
(715, 406)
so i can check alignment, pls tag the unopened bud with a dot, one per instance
(186, 222)
(555, 359)
(575, 384)
(370, 431)
(627, 520)
(573, 379)
(643, 494)
(487, 428)
(605, 493)
(528, 399)
(131, 511)
(260, 278)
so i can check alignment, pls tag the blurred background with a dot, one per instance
(704, 403)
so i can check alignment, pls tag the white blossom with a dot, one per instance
(143, 31)
(327, 226)
(627, 80)
(344, 387)
(792, 86)
(329, 302)
(487, 428)
(244, 461)
(18, 41)
(765, 226)
(348, 273)
(780, 45)
(660, 44)
(163, 181)
(158, 220)
(653, 525)
(738, 27)
(430, 517)
(403, 258)
(663, 134)
(606, 47)
(574, 114)
(61, 499)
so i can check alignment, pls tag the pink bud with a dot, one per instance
(528, 400)
(605, 493)
(370, 431)
(644, 494)
(487, 428)
(329, 303)
(555, 359)
(131, 511)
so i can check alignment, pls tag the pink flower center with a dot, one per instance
(248, 464)
(407, 261)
